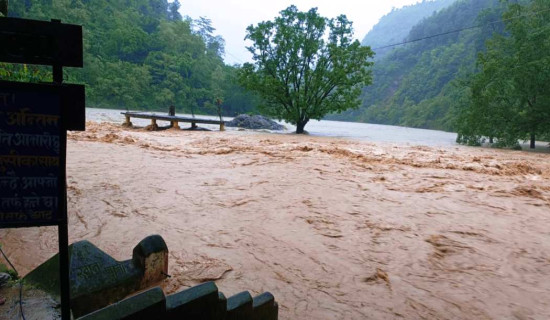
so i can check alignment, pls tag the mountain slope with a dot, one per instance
(396, 25)
(415, 84)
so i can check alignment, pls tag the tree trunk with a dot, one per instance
(532, 141)
(491, 140)
(300, 126)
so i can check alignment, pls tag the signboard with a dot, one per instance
(40, 42)
(33, 139)
(32, 153)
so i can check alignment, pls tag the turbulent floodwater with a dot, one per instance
(334, 228)
(350, 130)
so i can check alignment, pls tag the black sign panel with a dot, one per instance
(32, 155)
(40, 42)
(73, 107)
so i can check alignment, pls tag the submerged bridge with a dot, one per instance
(173, 119)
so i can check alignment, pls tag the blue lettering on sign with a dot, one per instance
(30, 156)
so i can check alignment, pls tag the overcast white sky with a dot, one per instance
(232, 17)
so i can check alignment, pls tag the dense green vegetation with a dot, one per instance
(141, 54)
(418, 84)
(486, 82)
(395, 26)
(510, 95)
(306, 66)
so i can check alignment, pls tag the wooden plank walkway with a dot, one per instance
(174, 120)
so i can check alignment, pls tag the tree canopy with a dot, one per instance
(510, 95)
(306, 66)
(140, 54)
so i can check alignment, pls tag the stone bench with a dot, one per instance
(99, 283)
(97, 279)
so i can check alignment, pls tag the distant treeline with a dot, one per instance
(141, 54)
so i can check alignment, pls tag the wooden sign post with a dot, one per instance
(34, 119)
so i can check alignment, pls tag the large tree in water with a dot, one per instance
(306, 66)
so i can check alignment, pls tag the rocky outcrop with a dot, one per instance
(254, 122)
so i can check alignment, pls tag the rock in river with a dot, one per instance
(254, 122)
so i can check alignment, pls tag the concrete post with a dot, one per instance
(151, 256)
(127, 123)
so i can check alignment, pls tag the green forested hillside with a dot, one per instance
(141, 54)
(509, 95)
(417, 84)
(396, 25)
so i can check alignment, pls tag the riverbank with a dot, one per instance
(334, 228)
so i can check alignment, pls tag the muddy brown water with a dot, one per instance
(335, 229)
